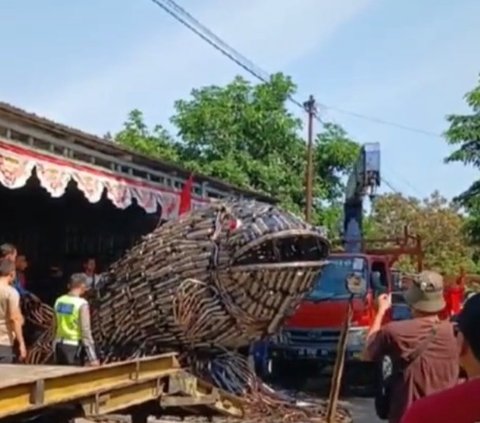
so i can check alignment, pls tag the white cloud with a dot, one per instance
(173, 60)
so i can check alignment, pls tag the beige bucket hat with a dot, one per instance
(425, 294)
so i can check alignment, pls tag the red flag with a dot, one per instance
(186, 196)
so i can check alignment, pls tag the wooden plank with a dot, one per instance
(18, 374)
(26, 388)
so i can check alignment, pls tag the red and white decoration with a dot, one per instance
(18, 163)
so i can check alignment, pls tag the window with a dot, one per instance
(332, 281)
(379, 278)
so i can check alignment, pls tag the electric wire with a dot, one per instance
(228, 51)
(189, 21)
(382, 121)
(397, 192)
(250, 67)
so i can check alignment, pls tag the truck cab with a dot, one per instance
(313, 331)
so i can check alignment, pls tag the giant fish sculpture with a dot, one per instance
(220, 276)
(213, 280)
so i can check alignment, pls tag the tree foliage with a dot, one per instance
(436, 220)
(472, 224)
(335, 154)
(245, 134)
(464, 133)
(155, 143)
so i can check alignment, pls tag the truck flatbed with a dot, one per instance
(17, 374)
(110, 388)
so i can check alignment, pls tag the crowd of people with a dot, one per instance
(74, 344)
(428, 355)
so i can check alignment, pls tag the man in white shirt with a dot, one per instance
(90, 271)
(11, 319)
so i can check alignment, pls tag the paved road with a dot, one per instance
(358, 402)
(361, 407)
(362, 410)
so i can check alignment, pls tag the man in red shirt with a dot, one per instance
(460, 404)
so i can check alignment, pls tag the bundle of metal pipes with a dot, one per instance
(211, 281)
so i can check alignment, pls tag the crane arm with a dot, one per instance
(363, 180)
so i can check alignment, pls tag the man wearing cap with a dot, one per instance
(423, 349)
(459, 404)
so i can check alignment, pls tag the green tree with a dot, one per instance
(335, 154)
(138, 137)
(245, 134)
(464, 133)
(472, 223)
(436, 220)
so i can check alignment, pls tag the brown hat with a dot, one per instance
(426, 292)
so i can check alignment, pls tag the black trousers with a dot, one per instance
(7, 355)
(69, 355)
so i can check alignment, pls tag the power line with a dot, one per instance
(189, 21)
(397, 192)
(250, 67)
(406, 182)
(389, 185)
(383, 122)
(219, 44)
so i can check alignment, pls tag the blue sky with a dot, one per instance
(88, 63)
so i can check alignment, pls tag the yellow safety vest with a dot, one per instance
(67, 316)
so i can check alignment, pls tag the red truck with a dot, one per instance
(310, 336)
(308, 342)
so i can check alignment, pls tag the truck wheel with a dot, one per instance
(270, 370)
(387, 367)
(269, 367)
(384, 372)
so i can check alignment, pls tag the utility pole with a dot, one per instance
(310, 107)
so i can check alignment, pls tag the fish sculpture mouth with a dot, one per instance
(292, 248)
(268, 277)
